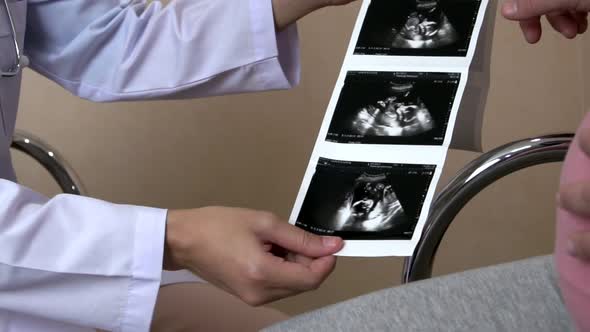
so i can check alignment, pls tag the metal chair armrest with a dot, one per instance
(50, 159)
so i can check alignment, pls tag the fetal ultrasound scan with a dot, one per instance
(394, 108)
(418, 27)
(360, 200)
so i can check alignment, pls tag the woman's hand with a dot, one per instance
(569, 17)
(250, 254)
(287, 12)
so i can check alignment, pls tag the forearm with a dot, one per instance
(287, 12)
(222, 47)
(78, 250)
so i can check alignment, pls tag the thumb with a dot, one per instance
(579, 246)
(526, 9)
(299, 241)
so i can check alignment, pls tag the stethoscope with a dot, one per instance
(21, 60)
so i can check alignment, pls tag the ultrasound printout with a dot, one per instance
(383, 142)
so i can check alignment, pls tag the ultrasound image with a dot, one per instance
(418, 27)
(401, 114)
(371, 205)
(357, 200)
(394, 108)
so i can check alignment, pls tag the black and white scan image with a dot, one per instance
(418, 27)
(411, 108)
(361, 200)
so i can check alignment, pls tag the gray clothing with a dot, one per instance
(518, 296)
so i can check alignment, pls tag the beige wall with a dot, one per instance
(251, 150)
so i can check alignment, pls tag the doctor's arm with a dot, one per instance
(78, 261)
(86, 262)
(112, 50)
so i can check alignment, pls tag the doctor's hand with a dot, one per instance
(569, 17)
(250, 254)
(287, 12)
(575, 198)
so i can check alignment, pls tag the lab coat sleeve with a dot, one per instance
(111, 50)
(79, 260)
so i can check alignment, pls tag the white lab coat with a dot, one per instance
(73, 263)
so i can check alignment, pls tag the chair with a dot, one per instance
(471, 180)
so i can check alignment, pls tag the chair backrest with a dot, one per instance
(471, 180)
(50, 159)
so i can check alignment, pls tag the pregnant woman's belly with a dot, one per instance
(574, 275)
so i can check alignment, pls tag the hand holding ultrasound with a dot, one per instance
(251, 254)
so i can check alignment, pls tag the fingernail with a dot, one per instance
(510, 8)
(330, 242)
(571, 248)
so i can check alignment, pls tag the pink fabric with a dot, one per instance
(574, 275)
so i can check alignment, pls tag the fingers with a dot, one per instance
(301, 275)
(579, 246)
(565, 23)
(582, 20)
(575, 198)
(531, 29)
(299, 259)
(527, 9)
(299, 241)
(569, 17)
(297, 270)
(275, 278)
(568, 24)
